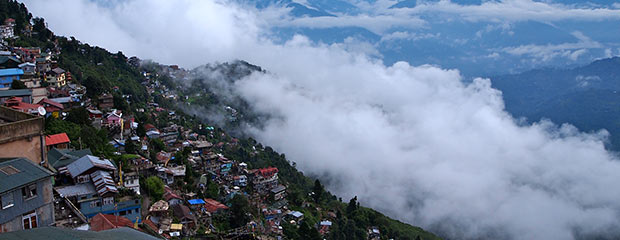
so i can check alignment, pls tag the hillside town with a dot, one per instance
(76, 189)
(78, 158)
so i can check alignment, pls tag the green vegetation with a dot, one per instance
(16, 84)
(101, 71)
(353, 219)
(81, 136)
(240, 209)
(154, 187)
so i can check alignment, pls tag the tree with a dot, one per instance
(78, 116)
(17, 84)
(318, 191)
(212, 190)
(95, 86)
(120, 102)
(155, 187)
(157, 144)
(290, 230)
(352, 206)
(306, 231)
(141, 131)
(240, 208)
(130, 147)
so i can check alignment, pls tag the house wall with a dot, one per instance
(11, 218)
(22, 137)
(129, 209)
(5, 81)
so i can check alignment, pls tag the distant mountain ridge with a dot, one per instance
(587, 97)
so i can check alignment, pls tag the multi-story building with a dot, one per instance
(7, 76)
(21, 135)
(265, 179)
(26, 197)
(131, 180)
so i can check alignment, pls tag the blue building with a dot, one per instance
(95, 191)
(7, 76)
(26, 199)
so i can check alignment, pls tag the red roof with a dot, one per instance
(102, 222)
(56, 139)
(268, 172)
(169, 194)
(46, 102)
(17, 104)
(148, 126)
(212, 205)
(151, 224)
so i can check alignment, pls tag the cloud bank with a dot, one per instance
(412, 141)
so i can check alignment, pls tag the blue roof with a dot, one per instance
(196, 201)
(11, 72)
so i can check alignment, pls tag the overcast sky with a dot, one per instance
(412, 141)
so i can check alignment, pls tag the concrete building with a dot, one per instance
(26, 196)
(21, 135)
(7, 76)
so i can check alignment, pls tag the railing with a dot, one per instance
(75, 210)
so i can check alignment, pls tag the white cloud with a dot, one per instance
(547, 52)
(408, 36)
(575, 54)
(377, 24)
(515, 10)
(412, 141)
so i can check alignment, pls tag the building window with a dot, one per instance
(29, 191)
(108, 200)
(83, 179)
(95, 203)
(30, 220)
(6, 200)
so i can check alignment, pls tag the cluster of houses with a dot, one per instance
(48, 89)
(7, 30)
(80, 190)
(46, 181)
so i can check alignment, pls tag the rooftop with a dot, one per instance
(102, 222)
(213, 206)
(16, 172)
(53, 233)
(50, 102)
(196, 201)
(15, 93)
(56, 139)
(87, 162)
(63, 157)
(11, 72)
(76, 190)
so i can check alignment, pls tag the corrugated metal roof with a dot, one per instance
(103, 182)
(53, 233)
(11, 72)
(16, 92)
(56, 139)
(196, 201)
(87, 162)
(63, 157)
(28, 172)
(76, 190)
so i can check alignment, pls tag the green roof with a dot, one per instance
(4, 59)
(62, 157)
(15, 92)
(16, 172)
(54, 233)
